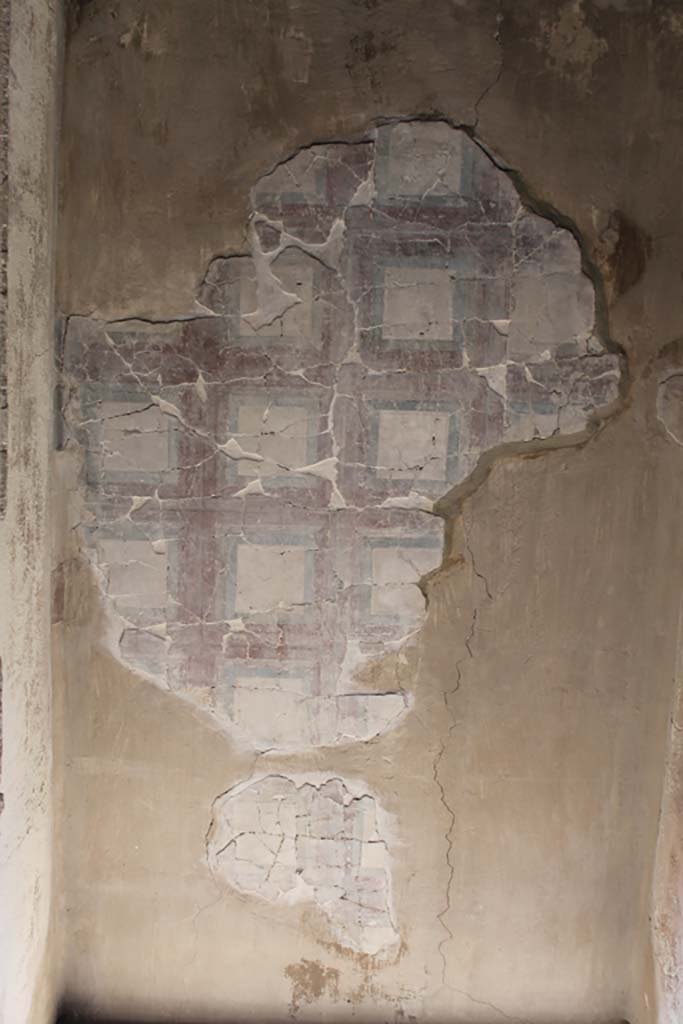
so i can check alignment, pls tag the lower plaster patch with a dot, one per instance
(309, 840)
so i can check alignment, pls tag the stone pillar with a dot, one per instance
(27, 193)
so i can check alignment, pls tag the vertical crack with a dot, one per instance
(494, 82)
(448, 696)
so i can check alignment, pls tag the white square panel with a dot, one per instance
(277, 432)
(412, 444)
(273, 709)
(418, 304)
(136, 572)
(134, 438)
(269, 576)
(395, 573)
(424, 160)
(297, 321)
(549, 311)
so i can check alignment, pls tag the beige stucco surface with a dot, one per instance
(523, 787)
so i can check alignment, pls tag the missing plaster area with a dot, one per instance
(260, 478)
(315, 841)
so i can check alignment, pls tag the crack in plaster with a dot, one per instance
(499, 72)
(448, 696)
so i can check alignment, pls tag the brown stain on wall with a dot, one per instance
(622, 254)
(310, 981)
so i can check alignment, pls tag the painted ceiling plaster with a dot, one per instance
(261, 477)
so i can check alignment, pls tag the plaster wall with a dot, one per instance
(27, 960)
(511, 803)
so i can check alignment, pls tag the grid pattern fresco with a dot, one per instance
(260, 477)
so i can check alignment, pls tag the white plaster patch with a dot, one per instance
(414, 501)
(309, 840)
(253, 487)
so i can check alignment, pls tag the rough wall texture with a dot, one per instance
(475, 835)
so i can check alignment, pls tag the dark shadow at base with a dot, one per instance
(74, 1013)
